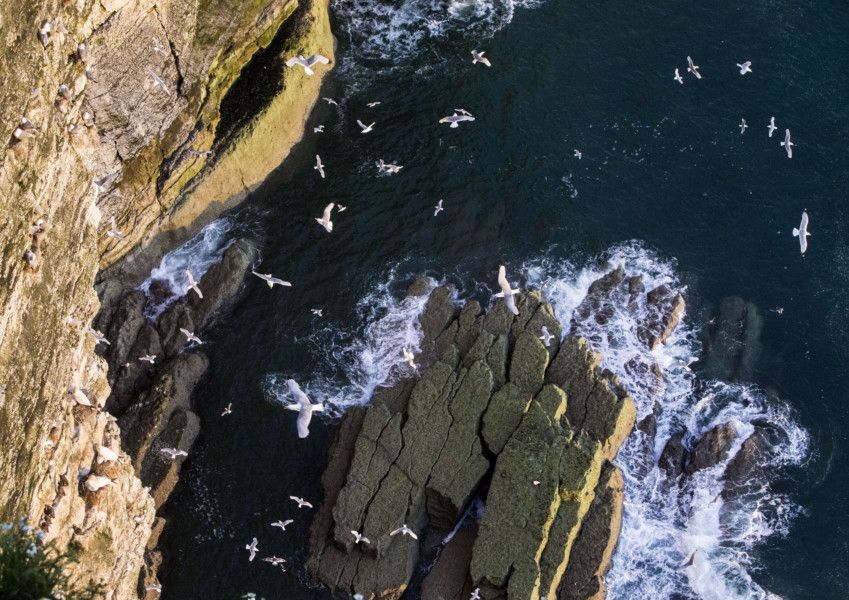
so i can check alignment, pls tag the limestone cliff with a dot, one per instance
(492, 416)
(111, 109)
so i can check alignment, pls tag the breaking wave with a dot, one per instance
(667, 523)
(197, 255)
(355, 363)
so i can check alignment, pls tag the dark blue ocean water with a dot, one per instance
(666, 179)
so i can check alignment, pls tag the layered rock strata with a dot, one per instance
(492, 415)
(112, 109)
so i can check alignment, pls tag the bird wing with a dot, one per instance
(397, 531)
(304, 418)
(327, 210)
(317, 58)
(296, 60)
(191, 277)
(412, 535)
(361, 124)
(502, 280)
(510, 302)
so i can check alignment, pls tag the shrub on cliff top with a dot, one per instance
(33, 570)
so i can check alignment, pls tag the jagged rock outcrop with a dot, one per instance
(493, 414)
(89, 133)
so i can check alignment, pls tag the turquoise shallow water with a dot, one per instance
(663, 164)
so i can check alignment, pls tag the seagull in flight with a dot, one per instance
(476, 594)
(373, 104)
(746, 67)
(190, 337)
(578, 154)
(408, 357)
(802, 232)
(358, 537)
(99, 338)
(283, 524)
(478, 57)
(252, 548)
(340, 208)
(193, 285)
(317, 311)
(157, 82)
(438, 208)
(385, 167)
(173, 453)
(330, 101)
(693, 68)
(788, 145)
(274, 560)
(227, 410)
(300, 501)
(318, 129)
(148, 358)
(114, 232)
(678, 77)
(271, 281)
(457, 118)
(318, 166)
(304, 407)
(546, 336)
(404, 530)
(325, 221)
(743, 126)
(307, 63)
(506, 291)
(771, 127)
(365, 128)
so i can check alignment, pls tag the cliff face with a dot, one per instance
(111, 109)
(495, 415)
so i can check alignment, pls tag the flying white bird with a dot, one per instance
(693, 68)
(546, 336)
(114, 232)
(331, 101)
(438, 208)
(506, 291)
(227, 410)
(802, 232)
(173, 453)
(365, 128)
(457, 118)
(317, 311)
(272, 281)
(404, 530)
(385, 167)
(300, 502)
(99, 338)
(304, 407)
(476, 594)
(746, 67)
(788, 145)
(578, 154)
(771, 127)
(318, 129)
(283, 524)
(341, 208)
(318, 166)
(373, 104)
(324, 220)
(252, 548)
(274, 560)
(678, 77)
(478, 57)
(157, 82)
(743, 126)
(307, 63)
(358, 537)
(193, 285)
(190, 337)
(408, 357)
(148, 358)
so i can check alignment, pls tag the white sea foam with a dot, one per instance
(355, 363)
(197, 255)
(664, 524)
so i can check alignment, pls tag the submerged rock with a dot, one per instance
(491, 416)
(731, 342)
